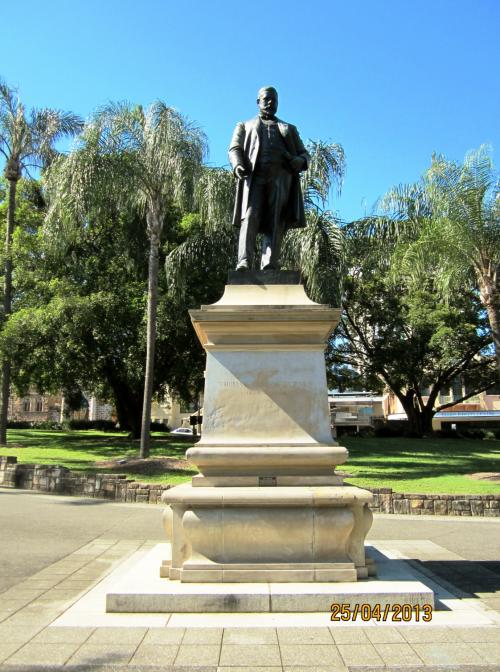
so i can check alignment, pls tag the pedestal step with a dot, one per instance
(140, 590)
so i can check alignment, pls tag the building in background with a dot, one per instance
(35, 407)
(354, 411)
(481, 411)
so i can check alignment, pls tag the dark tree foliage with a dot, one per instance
(79, 320)
(409, 340)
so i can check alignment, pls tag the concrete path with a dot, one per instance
(54, 550)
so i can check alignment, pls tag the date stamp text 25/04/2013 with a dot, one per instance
(389, 612)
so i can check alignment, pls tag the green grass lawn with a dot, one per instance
(432, 466)
(84, 450)
(405, 465)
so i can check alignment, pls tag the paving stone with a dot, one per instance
(62, 635)
(7, 648)
(42, 654)
(250, 655)
(429, 634)
(340, 667)
(267, 668)
(196, 655)
(482, 634)
(202, 636)
(34, 582)
(250, 636)
(18, 633)
(493, 603)
(102, 654)
(384, 635)
(304, 636)
(117, 635)
(398, 654)
(349, 635)
(447, 654)
(155, 654)
(310, 655)
(359, 654)
(489, 651)
(164, 636)
(38, 619)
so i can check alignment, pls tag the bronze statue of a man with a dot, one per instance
(267, 156)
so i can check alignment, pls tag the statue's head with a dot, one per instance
(267, 100)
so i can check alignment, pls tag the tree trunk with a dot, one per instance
(154, 239)
(419, 420)
(128, 409)
(7, 308)
(127, 399)
(490, 299)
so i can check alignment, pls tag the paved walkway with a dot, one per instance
(56, 550)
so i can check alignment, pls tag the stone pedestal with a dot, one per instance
(267, 504)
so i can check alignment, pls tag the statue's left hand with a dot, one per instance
(297, 163)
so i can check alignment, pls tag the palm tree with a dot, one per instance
(26, 141)
(129, 157)
(467, 231)
(450, 219)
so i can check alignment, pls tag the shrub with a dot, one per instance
(102, 425)
(47, 424)
(388, 431)
(19, 424)
(472, 433)
(159, 427)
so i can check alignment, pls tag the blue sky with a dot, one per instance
(391, 80)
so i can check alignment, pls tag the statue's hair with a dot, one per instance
(266, 88)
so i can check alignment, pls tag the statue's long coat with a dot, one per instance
(244, 150)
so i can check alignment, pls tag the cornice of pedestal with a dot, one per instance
(279, 317)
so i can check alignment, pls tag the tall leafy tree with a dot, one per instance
(394, 335)
(78, 319)
(451, 215)
(27, 140)
(131, 158)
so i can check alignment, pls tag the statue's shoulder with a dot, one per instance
(251, 124)
(246, 126)
(286, 124)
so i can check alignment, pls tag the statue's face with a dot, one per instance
(268, 103)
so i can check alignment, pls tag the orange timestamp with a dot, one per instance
(388, 612)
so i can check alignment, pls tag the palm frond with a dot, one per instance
(318, 252)
(203, 251)
(214, 198)
(326, 168)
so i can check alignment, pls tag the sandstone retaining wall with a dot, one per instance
(118, 487)
(62, 480)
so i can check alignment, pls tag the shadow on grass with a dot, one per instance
(101, 445)
(415, 459)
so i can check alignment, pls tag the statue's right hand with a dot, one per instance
(240, 172)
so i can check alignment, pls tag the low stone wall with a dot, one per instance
(61, 480)
(387, 501)
(118, 487)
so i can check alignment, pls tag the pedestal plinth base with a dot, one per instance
(262, 534)
(141, 590)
